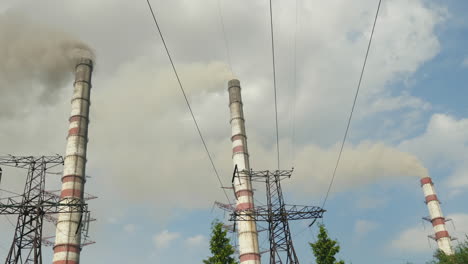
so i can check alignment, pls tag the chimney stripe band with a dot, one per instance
(244, 206)
(438, 221)
(72, 178)
(244, 193)
(249, 256)
(82, 81)
(238, 149)
(71, 193)
(65, 262)
(431, 197)
(238, 137)
(426, 180)
(74, 118)
(442, 234)
(67, 247)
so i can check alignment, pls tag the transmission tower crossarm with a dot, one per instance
(13, 207)
(25, 161)
(291, 213)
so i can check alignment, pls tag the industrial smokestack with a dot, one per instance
(247, 230)
(67, 236)
(442, 237)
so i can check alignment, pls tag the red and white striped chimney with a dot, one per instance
(444, 241)
(68, 236)
(247, 230)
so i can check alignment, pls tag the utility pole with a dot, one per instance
(247, 230)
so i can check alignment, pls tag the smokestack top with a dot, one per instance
(234, 92)
(234, 83)
(84, 61)
(83, 70)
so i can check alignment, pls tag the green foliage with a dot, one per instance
(325, 248)
(220, 246)
(460, 256)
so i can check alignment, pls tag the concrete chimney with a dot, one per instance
(67, 240)
(444, 241)
(247, 230)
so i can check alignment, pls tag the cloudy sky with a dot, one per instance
(146, 163)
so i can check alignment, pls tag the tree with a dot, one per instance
(220, 246)
(325, 248)
(460, 256)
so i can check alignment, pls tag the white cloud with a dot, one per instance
(444, 140)
(164, 239)
(139, 120)
(130, 228)
(459, 179)
(415, 239)
(195, 241)
(363, 227)
(444, 144)
(465, 62)
(143, 145)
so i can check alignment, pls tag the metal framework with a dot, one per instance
(433, 237)
(276, 213)
(32, 206)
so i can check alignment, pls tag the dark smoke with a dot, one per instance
(35, 62)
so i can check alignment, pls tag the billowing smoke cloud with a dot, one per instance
(36, 62)
(364, 163)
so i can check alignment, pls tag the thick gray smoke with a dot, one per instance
(36, 61)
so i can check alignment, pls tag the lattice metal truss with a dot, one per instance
(32, 206)
(276, 213)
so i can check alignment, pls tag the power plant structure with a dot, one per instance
(249, 252)
(67, 238)
(37, 205)
(436, 218)
(33, 207)
(275, 213)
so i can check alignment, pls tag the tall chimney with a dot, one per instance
(444, 241)
(68, 236)
(247, 230)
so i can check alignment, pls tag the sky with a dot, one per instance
(146, 163)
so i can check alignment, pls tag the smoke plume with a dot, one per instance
(36, 62)
(361, 164)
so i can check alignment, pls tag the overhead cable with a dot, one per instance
(354, 105)
(294, 86)
(274, 84)
(186, 99)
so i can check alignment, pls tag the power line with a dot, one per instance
(228, 54)
(274, 83)
(14, 193)
(293, 114)
(186, 99)
(354, 105)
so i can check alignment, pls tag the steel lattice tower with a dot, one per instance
(32, 206)
(278, 226)
(276, 213)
